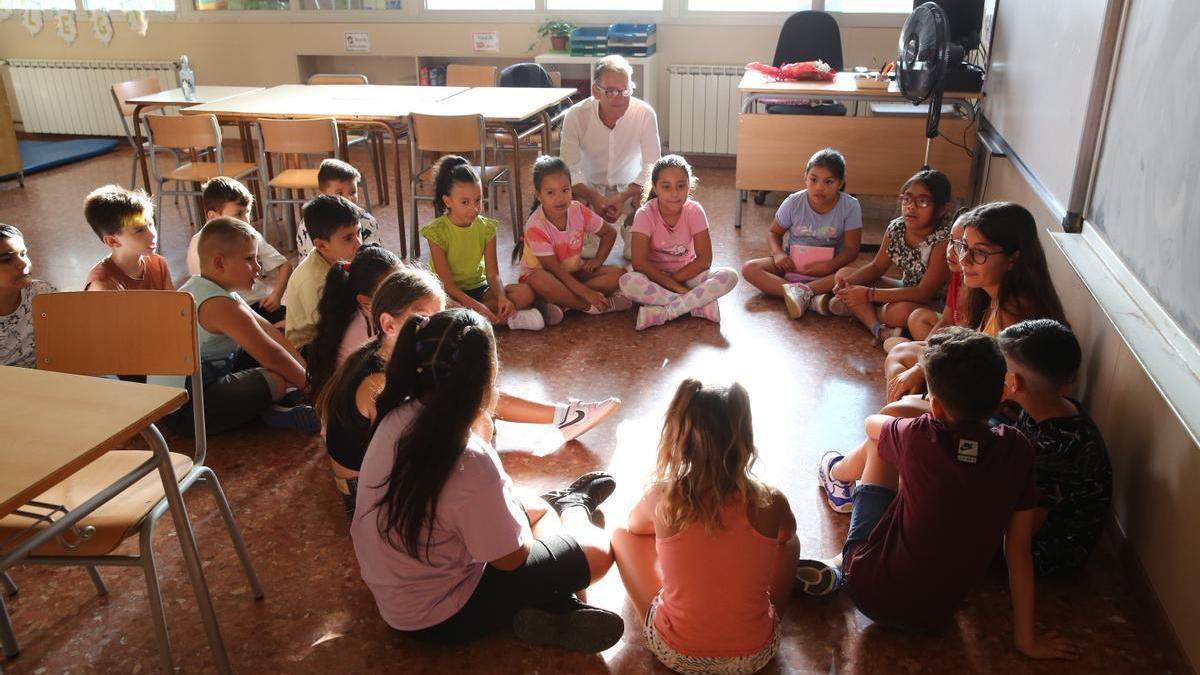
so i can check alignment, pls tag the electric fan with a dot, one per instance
(922, 61)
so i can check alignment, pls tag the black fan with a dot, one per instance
(922, 61)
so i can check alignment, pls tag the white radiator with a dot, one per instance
(74, 97)
(704, 108)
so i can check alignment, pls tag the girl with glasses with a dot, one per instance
(915, 243)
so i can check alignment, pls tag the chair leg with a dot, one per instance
(97, 580)
(8, 638)
(10, 586)
(235, 533)
(133, 172)
(154, 597)
(374, 163)
(516, 222)
(158, 217)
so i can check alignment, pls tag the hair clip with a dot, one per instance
(345, 265)
(424, 322)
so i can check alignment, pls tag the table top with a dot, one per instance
(204, 94)
(500, 104)
(343, 101)
(842, 88)
(565, 57)
(55, 424)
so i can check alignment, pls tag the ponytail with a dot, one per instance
(543, 166)
(676, 161)
(344, 282)
(450, 169)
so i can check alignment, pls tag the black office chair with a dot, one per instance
(806, 36)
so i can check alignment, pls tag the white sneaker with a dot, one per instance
(527, 319)
(552, 313)
(583, 416)
(796, 298)
(617, 302)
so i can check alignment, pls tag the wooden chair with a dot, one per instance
(294, 142)
(199, 138)
(460, 75)
(132, 333)
(376, 154)
(122, 92)
(443, 134)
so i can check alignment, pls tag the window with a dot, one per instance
(870, 6)
(210, 5)
(351, 4)
(479, 4)
(608, 5)
(747, 5)
(121, 5)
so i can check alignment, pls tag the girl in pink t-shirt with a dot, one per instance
(553, 263)
(672, 252)
(709, 554)
(449, 552)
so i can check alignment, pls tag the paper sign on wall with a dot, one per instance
(358, 42)
(486, 42)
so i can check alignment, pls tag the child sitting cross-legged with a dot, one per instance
(938, 496)
(124, 221)
(462, 251)
(709, 554)
(247, 366)
(449, 552)
(1073, 471)
(672, 252)
(17, 290)
(553, 263)
(333, 223)
(346, 399)
(225, 196)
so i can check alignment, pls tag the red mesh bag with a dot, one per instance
(804, 70)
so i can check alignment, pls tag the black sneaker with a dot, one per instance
(570, 625)
(589, 491)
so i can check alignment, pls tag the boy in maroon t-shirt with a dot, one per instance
(937, 496)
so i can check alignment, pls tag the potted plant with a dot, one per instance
(557, 30)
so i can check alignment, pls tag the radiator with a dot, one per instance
(704, 108)
(74, 97)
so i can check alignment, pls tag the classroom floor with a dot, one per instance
(811, 382)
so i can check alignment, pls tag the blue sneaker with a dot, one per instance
(816, 577)
(839, 494)
(301, 418)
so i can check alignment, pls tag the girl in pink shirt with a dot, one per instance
(672, 252)
(553, 263)
(709, 554)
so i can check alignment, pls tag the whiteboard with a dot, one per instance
(1145, 198)
(1039, 79)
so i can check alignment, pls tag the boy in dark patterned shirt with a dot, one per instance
(1073, 472)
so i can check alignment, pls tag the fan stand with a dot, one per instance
(931, 123)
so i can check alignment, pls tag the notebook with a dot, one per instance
(803, 255)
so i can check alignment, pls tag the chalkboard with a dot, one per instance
(1146, 198)
(1040, 70)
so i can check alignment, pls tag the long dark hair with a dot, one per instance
(339, 303)
(938, 185)
(544, 166)
(447, 362)
(1027, 291)
(395, 294)
(450, 169)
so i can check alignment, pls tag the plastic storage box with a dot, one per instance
(632, 39)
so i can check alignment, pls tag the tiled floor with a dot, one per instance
(811, 383)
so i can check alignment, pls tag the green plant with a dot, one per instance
(553, 28)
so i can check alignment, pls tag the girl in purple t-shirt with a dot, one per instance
(672, 252)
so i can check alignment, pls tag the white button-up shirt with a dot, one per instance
(602, 157)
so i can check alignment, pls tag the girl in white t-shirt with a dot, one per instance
(447, 549)
(672, 251)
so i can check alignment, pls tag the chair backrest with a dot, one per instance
(337, 78)
(446, 133)
(312, 136)
(184, 131)
(556, 78)
(123, 91)
(125, 333)
(460, 75)
(807, 36)
(525, 75)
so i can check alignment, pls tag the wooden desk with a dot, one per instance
(53, 425)
(382, 107)
(503, 109)
(173, 98)
(881, 152)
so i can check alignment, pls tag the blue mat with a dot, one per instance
(41, 155)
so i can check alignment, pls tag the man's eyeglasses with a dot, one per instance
(613, 92)
(922, 201)
(974, 256)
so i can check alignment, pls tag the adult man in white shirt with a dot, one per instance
(608, 141)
